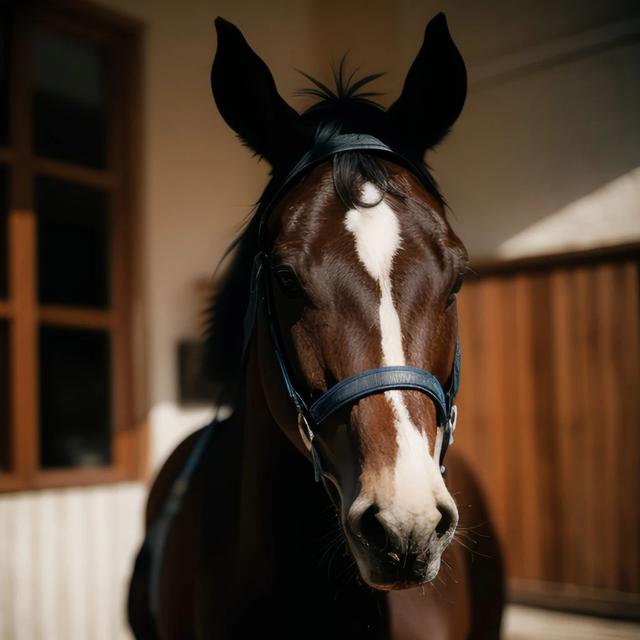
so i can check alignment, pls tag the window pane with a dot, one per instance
(5, 50)
(73, 242)
(75, 398)
(69, 78)
(4, 246)
(5, 461)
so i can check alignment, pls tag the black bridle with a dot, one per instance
(348, 391)
(344, 393)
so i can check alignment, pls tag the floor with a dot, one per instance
(526, 623)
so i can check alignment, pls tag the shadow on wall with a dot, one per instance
(538, 139)
(608, 216)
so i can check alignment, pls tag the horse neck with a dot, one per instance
(288, 540)
(272, 479)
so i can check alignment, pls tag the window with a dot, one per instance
(68, 80)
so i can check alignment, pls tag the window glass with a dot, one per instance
(75, 398)
(69, 108)
(73, 242)
(5, 66)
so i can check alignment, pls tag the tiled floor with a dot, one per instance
(525, 623)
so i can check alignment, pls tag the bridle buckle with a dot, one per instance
(453, 419)
(306, 434)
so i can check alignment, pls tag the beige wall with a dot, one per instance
(551, 119)
(536, 139)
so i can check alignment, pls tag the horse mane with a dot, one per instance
(344, 109)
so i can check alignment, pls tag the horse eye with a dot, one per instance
(289, 280)
(454, 291)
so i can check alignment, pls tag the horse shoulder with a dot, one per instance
(167, 475)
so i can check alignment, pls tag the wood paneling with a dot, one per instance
(24, 365)
(549, 417)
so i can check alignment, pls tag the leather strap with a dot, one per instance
(374, 381)
(156, 535)
(326, 149)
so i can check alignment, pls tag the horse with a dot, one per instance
(319, 508)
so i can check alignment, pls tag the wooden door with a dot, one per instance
(550, 420)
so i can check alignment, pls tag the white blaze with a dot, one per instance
(376, 231)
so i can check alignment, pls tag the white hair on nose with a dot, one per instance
(376, 231)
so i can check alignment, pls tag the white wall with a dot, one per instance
(65, 560)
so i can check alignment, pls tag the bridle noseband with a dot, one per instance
(348, 391)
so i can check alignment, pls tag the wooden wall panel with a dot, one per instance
(550, 418)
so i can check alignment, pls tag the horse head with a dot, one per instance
(360, 270)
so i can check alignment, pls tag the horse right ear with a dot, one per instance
(433, 94)
(247, 98)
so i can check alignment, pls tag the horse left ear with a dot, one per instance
(434, 91)
(247, 98)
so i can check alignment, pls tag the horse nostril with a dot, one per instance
(446, 519)
(372, 530)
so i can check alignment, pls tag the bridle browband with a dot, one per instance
(348, 391)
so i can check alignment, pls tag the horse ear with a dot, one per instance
(434, 91)
(247, 98)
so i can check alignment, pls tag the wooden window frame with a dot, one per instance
(120, 181)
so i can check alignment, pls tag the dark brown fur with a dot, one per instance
(246, 551)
